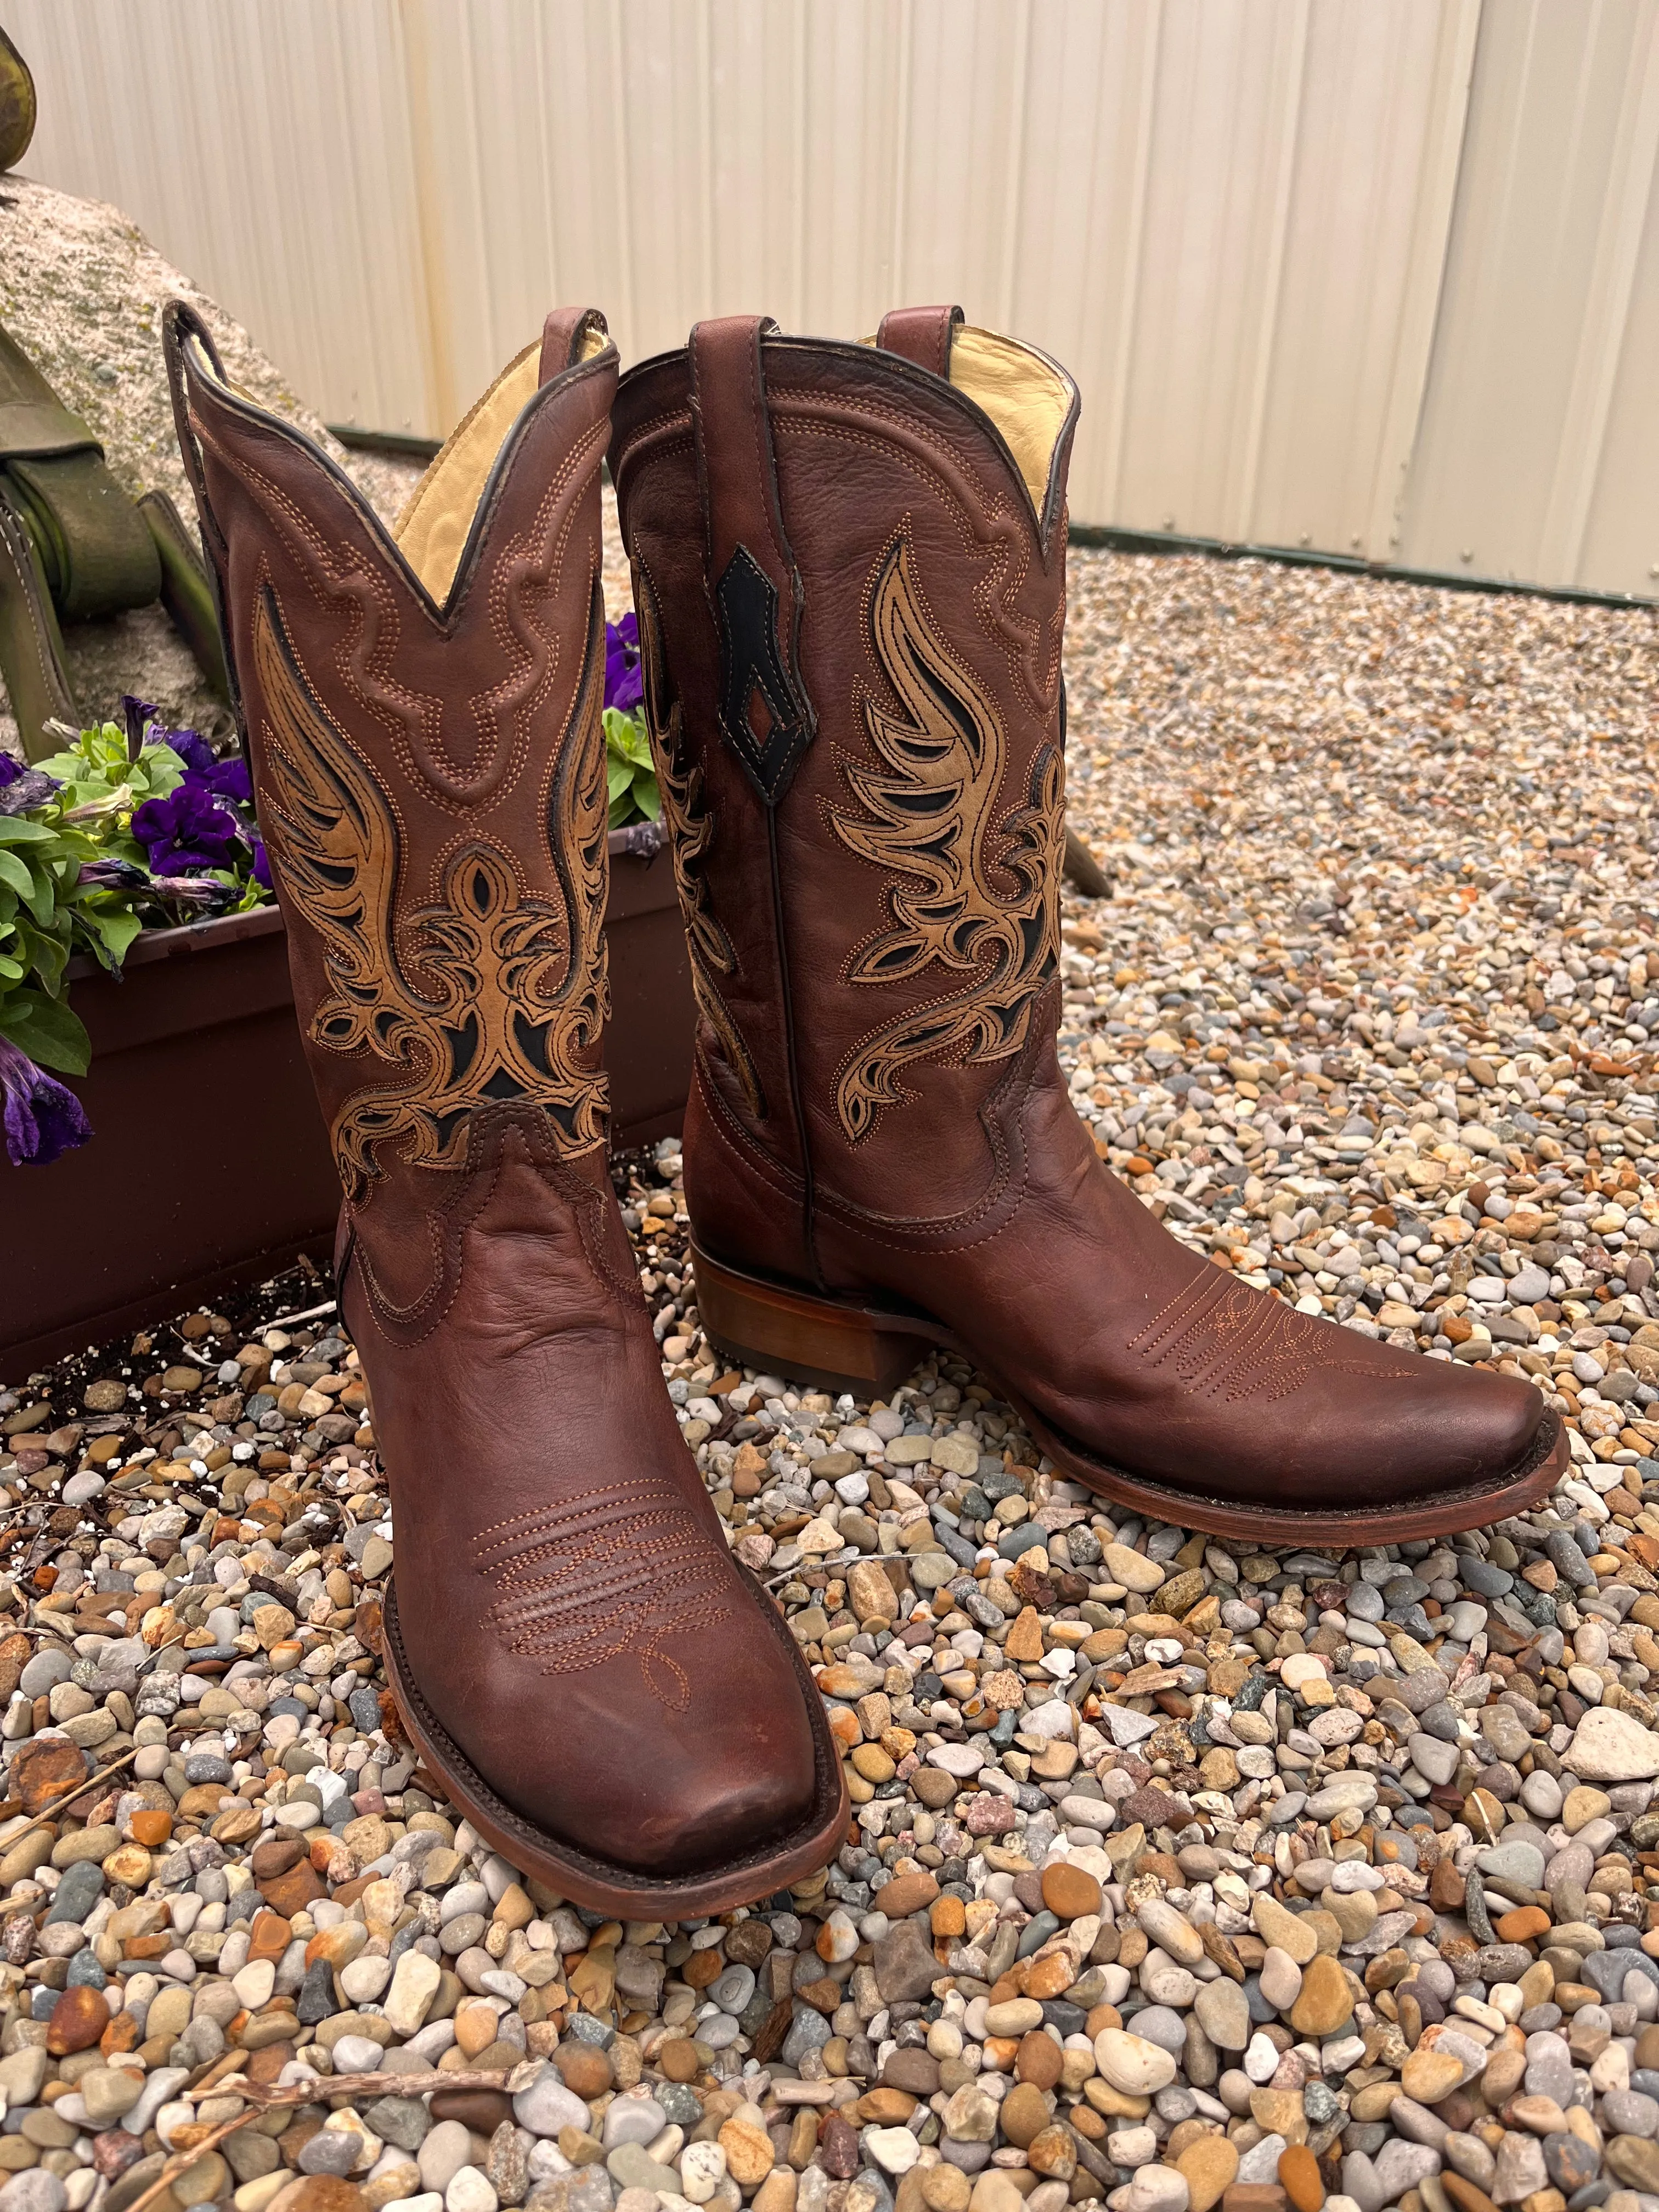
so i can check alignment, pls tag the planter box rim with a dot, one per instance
(260, 921)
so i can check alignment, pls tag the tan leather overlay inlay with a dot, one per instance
(930, 817)
(512, 992)
(690, 827)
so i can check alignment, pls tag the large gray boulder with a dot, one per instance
(81, 290)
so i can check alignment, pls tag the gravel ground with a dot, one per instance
(1177, 1865)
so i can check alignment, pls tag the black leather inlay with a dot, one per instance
(763, 716)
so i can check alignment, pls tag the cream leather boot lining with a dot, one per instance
(1027, 396)
(432, 530)
(433, 526)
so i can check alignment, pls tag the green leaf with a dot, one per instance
(47, 1030)
(18, 829)
(115, 931)
(647, 797)
(619, 778)
(11, 971)
(161, 769)
(626, 737)
(13, 872)
(45, 955)
(41, 897)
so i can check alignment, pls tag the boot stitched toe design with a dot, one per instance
(860, 742)
(613, 1702)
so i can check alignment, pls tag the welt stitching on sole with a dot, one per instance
(924, 1329)
(1543, 1445)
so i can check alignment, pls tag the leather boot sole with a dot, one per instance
(870, 1350)
(621, 1892)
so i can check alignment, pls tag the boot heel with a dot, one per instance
(807, 1338)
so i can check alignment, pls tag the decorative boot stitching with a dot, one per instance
(414, 720)
(617, 1570)
(987, 529)
(691, 829)
(516, 995)
(1219, 1339)
(930, 815)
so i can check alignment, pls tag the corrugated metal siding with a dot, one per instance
(1374, 276)
(1538, 455)
(266, 147)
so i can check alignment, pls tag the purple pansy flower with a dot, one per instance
(110, 876)
(22, 787)
(261, 863)
(624, 684)
(145, 726)
(43, 1120)
(226, 779)
(193, 890)
(186, 832)
(136, 714)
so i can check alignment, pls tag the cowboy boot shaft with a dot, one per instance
(422, 715)
(428, 766)
(852, 601)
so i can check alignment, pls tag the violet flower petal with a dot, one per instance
(42, 1119)
(28, 788)
(624, 684)
(110, 876)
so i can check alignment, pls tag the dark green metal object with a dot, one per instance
(74, 548)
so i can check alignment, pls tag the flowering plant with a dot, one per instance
(629, 766)
(126, 829)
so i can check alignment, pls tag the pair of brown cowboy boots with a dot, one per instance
(849, 569)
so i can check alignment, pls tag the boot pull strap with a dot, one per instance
(179, 324)
(564, 338)
(922, 335)
(754, 586)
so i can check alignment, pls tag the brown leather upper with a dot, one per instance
(880, 1111)
(431, 782)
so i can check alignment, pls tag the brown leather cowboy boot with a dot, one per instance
(849, 565)
(615, 1704)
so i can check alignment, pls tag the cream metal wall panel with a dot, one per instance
(1364, 276)
(1536, 456)
(1622, 528)
(265, 147)
(1366, 210)
(1297, 181)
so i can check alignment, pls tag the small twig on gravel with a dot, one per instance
(1083, 870)
(182, 2160)
(173, 1646)
(267, 2099)
(311, 1313)
(262, 2099)
(91, 1783)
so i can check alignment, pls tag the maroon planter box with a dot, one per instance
(210, 1169)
